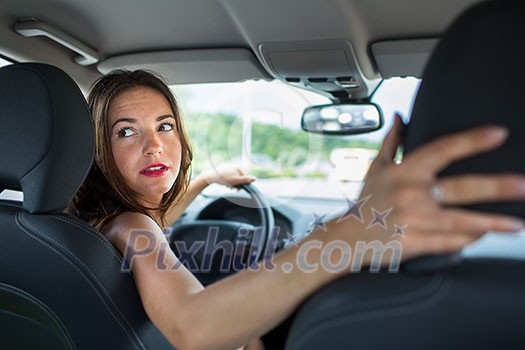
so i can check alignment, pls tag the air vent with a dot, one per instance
(317, 80)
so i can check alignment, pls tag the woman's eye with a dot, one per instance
(125, 132)
(166, 127)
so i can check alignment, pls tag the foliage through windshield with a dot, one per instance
(256, 125)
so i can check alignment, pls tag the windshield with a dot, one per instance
(256, 125)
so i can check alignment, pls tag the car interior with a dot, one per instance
(61, 284)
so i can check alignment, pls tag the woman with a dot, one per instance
(141, 170)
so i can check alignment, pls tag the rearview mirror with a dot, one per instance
(342, 119)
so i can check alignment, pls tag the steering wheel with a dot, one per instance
(214, 249)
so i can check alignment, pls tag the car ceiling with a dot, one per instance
(118, 30)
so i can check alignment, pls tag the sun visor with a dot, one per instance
(192, 66)
(326, 65)
(400, 58)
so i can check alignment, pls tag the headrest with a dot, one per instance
(46, 135)
(476, 76)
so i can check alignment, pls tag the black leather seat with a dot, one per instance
(474, 77)
(61, 285)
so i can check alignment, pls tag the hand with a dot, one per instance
(406, 189)
(228, 175)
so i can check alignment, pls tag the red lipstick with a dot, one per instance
(155, 170)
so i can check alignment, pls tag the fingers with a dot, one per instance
(417, 198)
(392, 141)
(452, 221)
(389, 147)
(238, 177)
(470, 189)
(245, 179)
(440, 242)
(235, 177)
(414, 204)
(228, 175)
(439, 153)
(238, 180)
(451, 230)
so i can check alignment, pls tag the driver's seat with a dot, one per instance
(61, 286)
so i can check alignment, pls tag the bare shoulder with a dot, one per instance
(133, 227)
(130, 221)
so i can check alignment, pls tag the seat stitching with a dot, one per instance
(21, 224)
(42, 306)
(112, 312)
(85, 229)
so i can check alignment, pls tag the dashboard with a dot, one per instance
(293, 217)
(241, 208)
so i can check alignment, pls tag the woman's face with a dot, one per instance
(144, 142)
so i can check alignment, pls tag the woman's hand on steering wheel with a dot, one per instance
(228, 175)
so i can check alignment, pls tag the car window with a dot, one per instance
(256, 125)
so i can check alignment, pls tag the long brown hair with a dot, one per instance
(104, 194)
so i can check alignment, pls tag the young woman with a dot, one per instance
(141, 170)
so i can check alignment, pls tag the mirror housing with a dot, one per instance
(342, 119)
